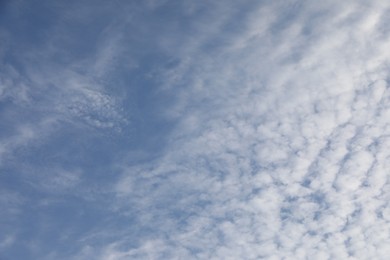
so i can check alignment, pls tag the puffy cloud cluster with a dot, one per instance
(281, 148)
(279, 143)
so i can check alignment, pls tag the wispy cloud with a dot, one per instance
(278, 137)
(274, 154)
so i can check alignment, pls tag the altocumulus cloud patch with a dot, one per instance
(183, 130)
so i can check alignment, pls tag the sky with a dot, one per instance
(180, 129)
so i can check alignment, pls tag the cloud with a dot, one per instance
(274, 153)
(7, 241)
(45, 90)
(278, 143)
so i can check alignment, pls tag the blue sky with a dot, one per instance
(194, 129)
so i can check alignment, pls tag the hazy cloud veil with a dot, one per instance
(194, 130)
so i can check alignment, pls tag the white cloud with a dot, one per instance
(280, 151)
(281, 144)
(40, 92)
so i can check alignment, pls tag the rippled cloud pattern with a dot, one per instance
(194, 129)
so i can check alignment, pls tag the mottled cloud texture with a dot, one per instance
(196, 130)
